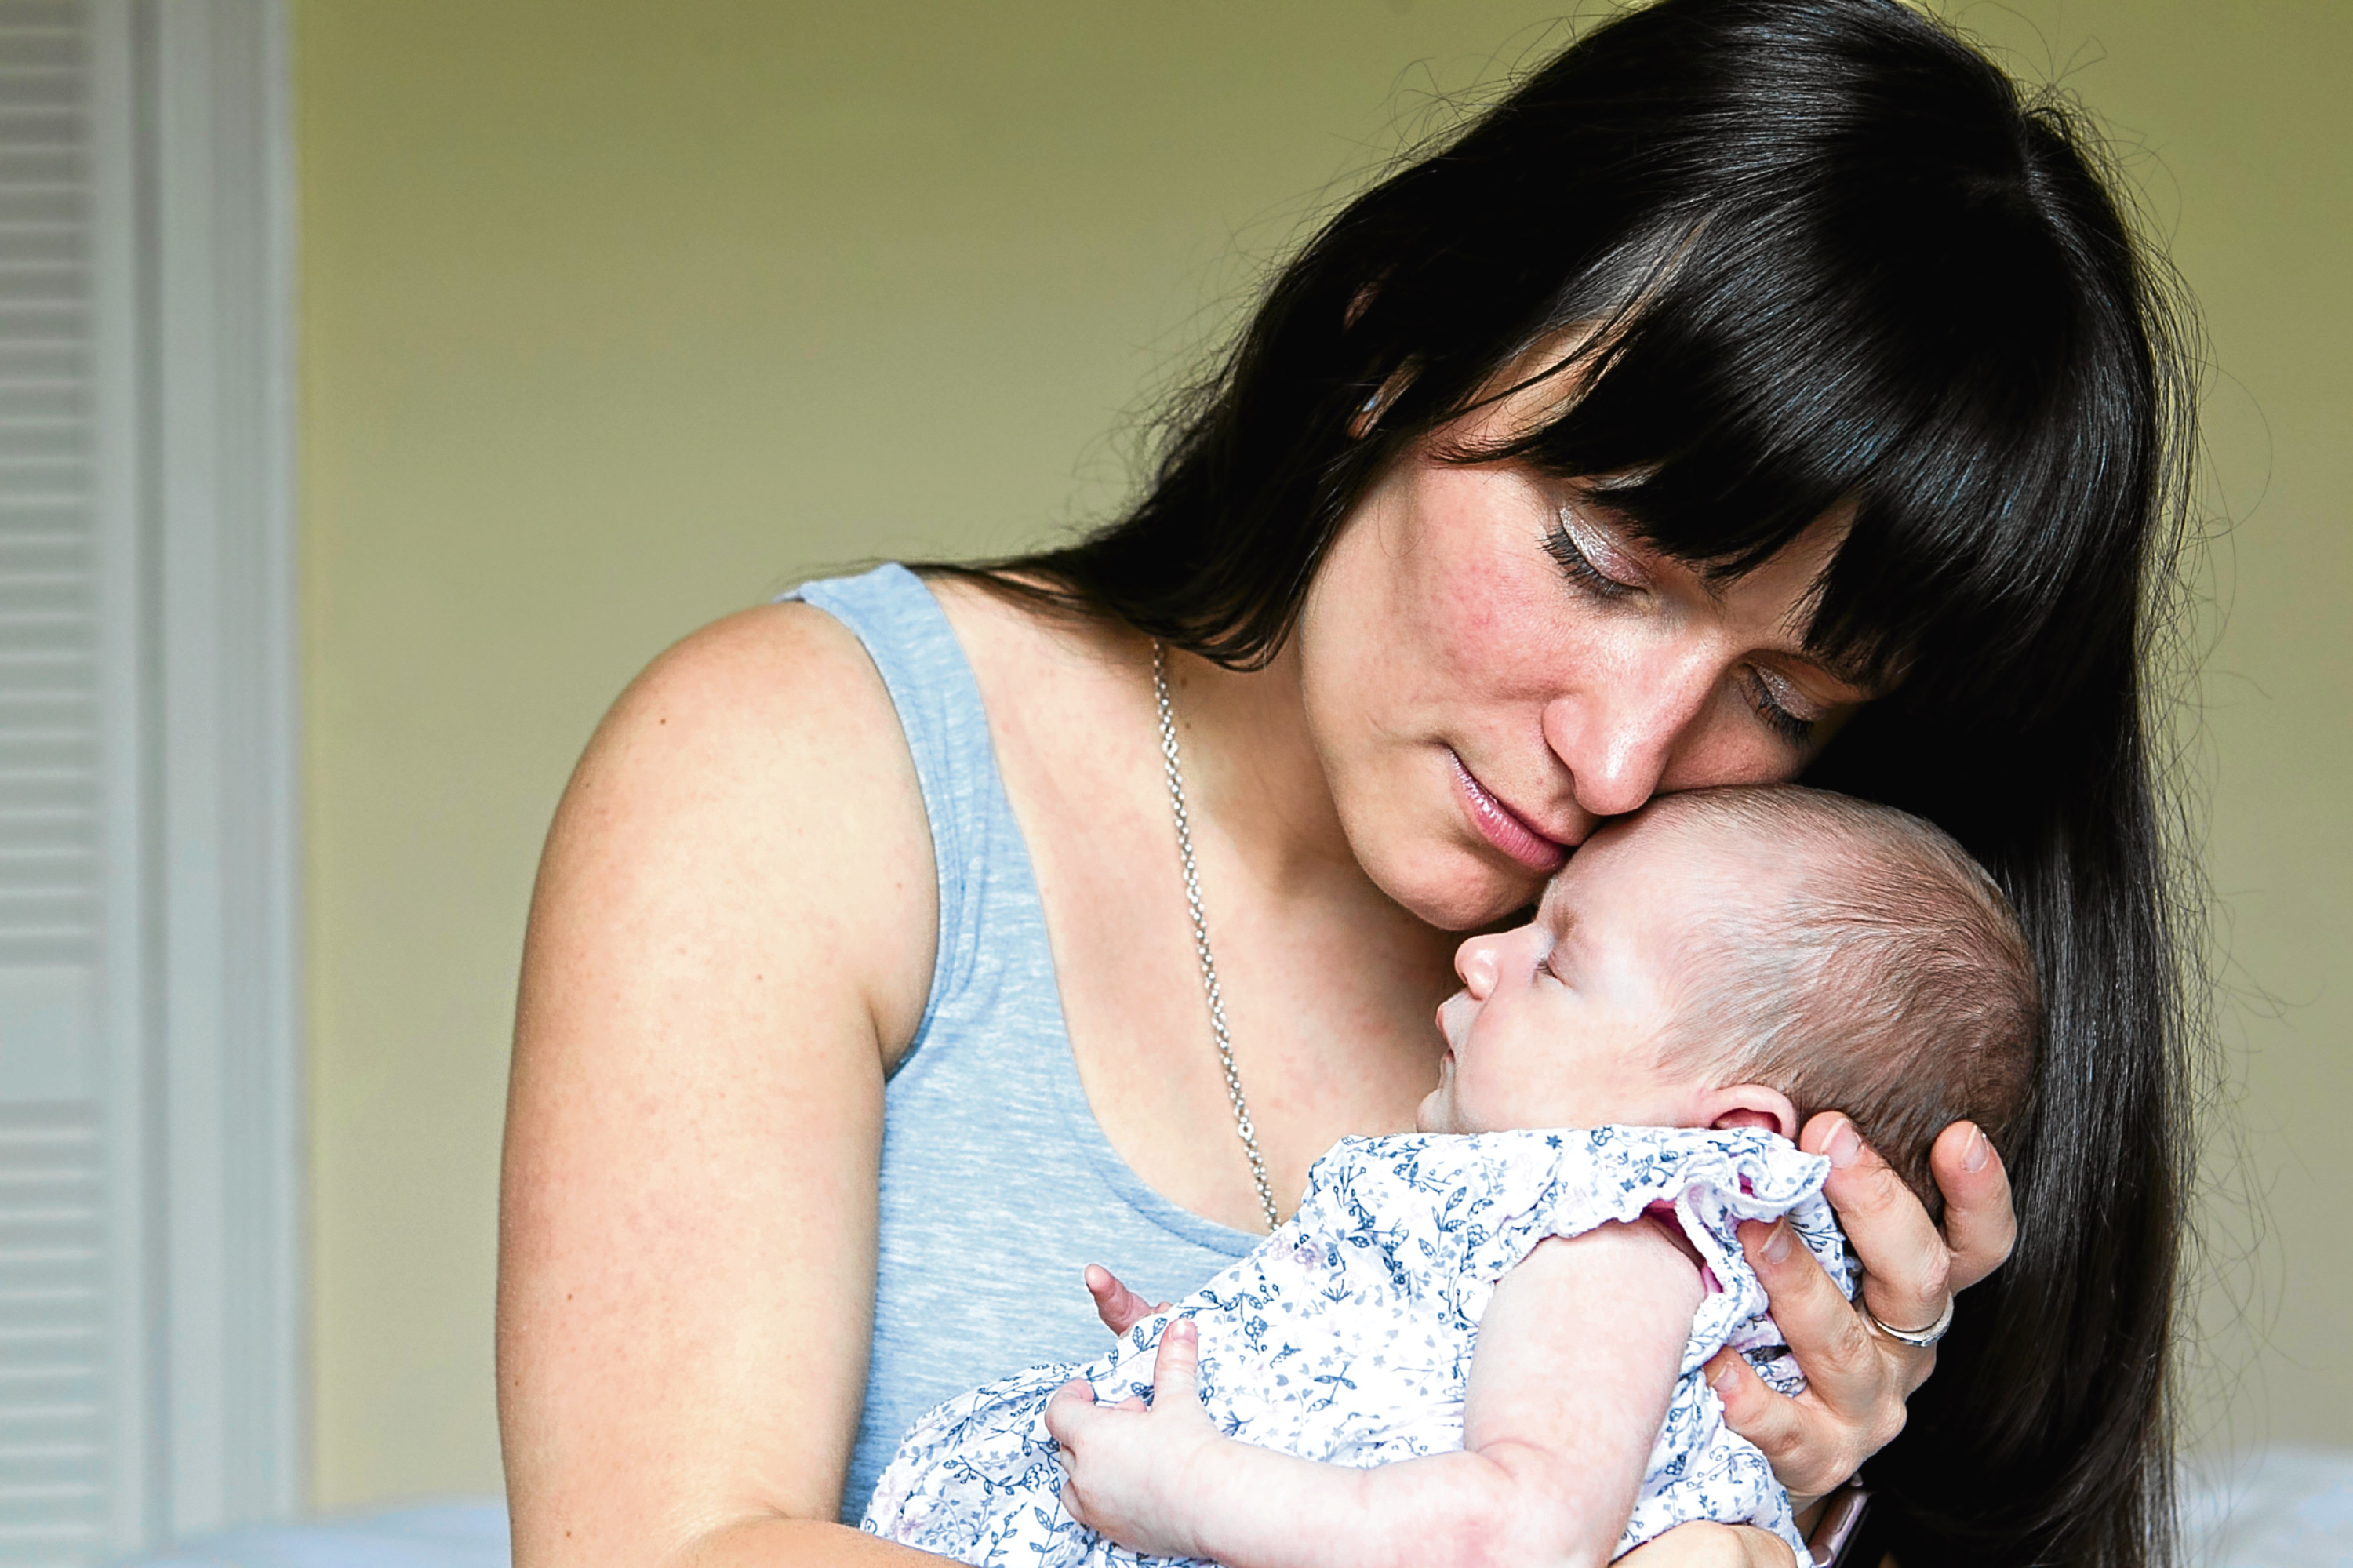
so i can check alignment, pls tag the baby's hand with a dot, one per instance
(1119, 1308)
(1133, 1471)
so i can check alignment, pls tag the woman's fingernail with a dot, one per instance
(1974, 1157)
(1724, 1378)
(1845, 1146)
(1776, 1244)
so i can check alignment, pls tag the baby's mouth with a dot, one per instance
(1447, 1010)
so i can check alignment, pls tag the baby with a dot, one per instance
(1483, 1340)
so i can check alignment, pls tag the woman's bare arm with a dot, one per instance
(731, 936)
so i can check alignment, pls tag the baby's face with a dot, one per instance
(1560, 1023)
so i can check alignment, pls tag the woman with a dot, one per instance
(1757, 391)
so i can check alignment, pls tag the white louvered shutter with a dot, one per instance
(149, 1134)
(69, 1207)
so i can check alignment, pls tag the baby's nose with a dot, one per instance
(1474, 961)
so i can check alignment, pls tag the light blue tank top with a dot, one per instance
(998, 1187)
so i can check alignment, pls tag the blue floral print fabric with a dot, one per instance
(1348, 1335)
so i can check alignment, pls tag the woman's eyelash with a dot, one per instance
(1578, 567)
(1797, 731)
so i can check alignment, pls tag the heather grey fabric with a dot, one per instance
(998, 1188)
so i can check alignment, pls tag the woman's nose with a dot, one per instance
(1476, 961)
(1618, 733)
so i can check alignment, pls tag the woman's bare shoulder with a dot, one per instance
(730, 938)
(754, 779)
(762, 682)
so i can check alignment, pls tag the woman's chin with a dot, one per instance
(1456, 887)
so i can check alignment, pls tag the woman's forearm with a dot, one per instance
(1262, 1508)
(798, 1543)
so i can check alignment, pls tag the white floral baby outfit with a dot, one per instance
(1348, 1335)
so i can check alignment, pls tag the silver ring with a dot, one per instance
(1919, 1338)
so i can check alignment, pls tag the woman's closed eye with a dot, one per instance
(1590, 555)
(1778, 704)
(1587, 559)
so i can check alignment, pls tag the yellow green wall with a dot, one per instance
(615, 316)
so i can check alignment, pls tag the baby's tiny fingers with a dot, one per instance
(1119, 1308)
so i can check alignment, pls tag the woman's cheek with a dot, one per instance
(1495, 603)
(1729, 745)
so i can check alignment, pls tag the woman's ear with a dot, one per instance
(1750, 1105)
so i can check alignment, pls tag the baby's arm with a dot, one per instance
(1577, 1356)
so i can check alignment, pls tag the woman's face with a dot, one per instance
(1492, 666)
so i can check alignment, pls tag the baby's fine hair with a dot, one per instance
(1868, 966)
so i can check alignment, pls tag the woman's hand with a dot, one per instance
(1128, 1467)
(1857, 1379)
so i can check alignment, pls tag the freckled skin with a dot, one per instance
(1438, 621)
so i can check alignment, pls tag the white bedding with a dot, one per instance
(2291, 1507)
(2287, 1508)
(471, 1534)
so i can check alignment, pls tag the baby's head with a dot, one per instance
(1746, 958)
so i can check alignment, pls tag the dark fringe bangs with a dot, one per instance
(1757, 382)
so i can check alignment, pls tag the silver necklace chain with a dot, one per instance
(1201, 937)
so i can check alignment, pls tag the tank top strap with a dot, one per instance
(998, 1185)
(930, 683)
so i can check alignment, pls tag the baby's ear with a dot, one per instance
(1751, 1104)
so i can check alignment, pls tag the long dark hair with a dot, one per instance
(1837, 261)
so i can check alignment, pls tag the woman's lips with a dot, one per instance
(1502, 826)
